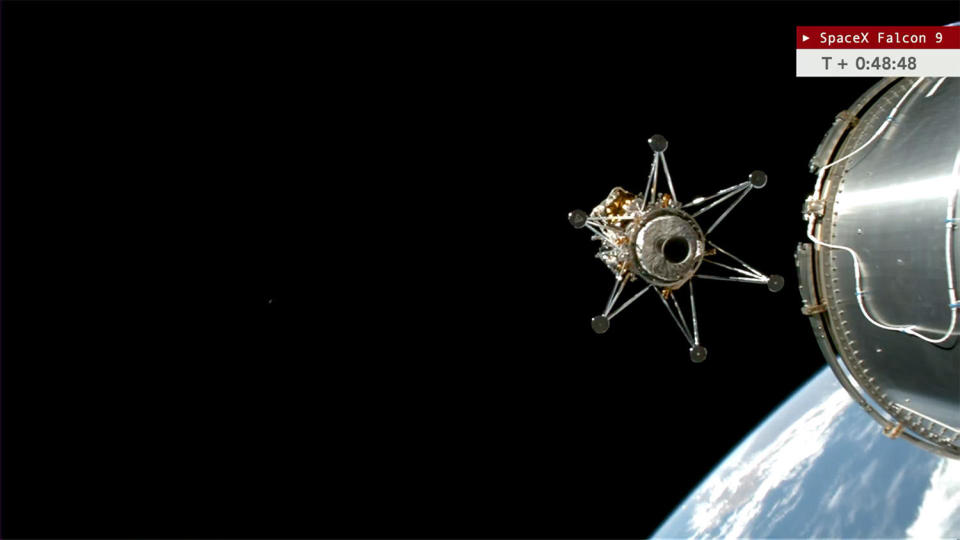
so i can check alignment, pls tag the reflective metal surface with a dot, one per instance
(890, 205)
(668, 247)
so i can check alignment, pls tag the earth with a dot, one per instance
(819, 467)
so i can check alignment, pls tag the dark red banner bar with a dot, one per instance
(878, 37)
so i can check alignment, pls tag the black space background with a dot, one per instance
(304, 269)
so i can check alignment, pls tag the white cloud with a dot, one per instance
(869, 472)
(939, 514)
(894, 490)
(739, 488)
(832, 503)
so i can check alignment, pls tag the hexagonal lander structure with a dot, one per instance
(657, 239)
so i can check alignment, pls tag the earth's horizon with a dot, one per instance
(819, 467)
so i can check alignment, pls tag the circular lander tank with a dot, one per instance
(884, 206)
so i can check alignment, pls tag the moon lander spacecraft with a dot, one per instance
(656, 239)
(878, 274)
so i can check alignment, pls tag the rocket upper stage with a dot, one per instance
(878, 278)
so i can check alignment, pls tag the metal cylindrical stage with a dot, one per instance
(879, 275)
